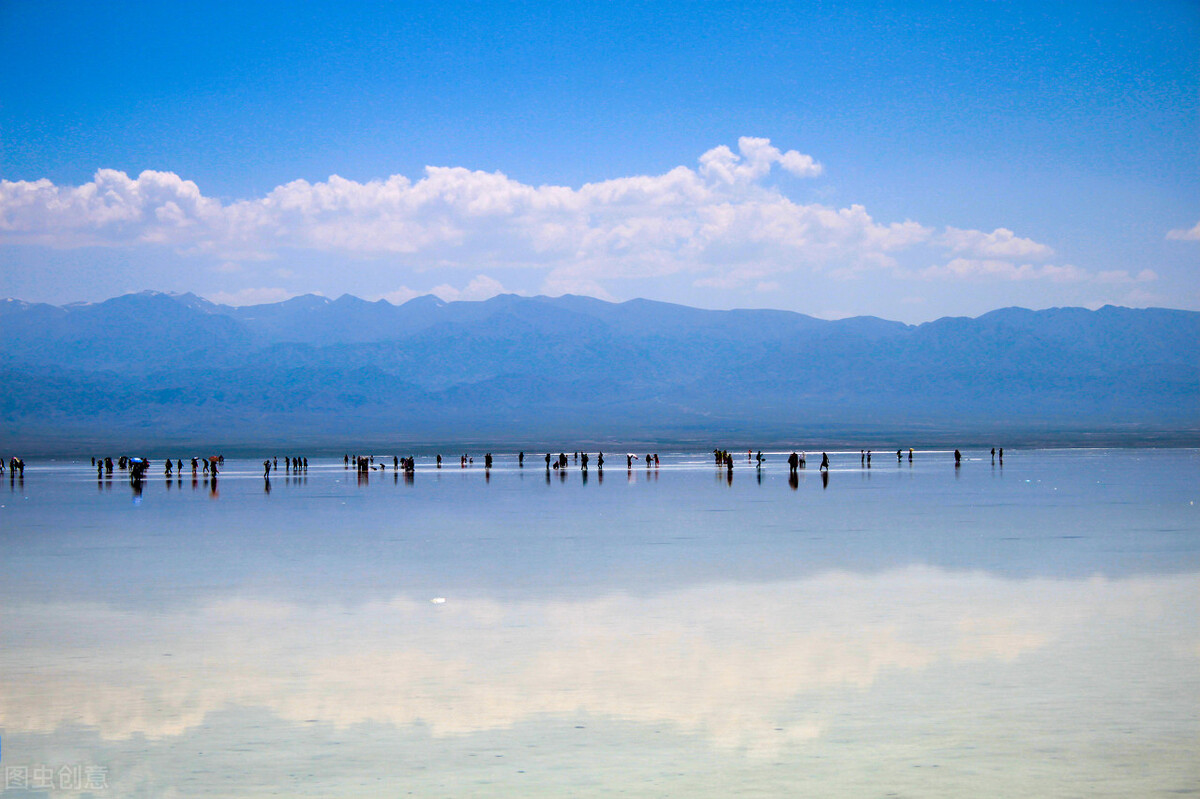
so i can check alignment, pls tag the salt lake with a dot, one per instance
(1031, 628)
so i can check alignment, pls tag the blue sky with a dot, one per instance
(907, 160)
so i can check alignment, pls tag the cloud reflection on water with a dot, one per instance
(752, 667)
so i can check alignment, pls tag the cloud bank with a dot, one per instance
(723, 224)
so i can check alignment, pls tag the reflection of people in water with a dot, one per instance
(825, 479)
(794, 480)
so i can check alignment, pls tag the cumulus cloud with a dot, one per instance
(400, 295)
(481, 287)
(251, 296)
(756, 159)
(1188, 234)
(1000, 243)
(722, 223)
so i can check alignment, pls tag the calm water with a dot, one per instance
(1030, 630)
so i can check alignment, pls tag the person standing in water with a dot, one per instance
(824, 462)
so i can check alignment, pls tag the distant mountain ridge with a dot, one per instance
(159, 368)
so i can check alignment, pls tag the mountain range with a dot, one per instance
(154, 370)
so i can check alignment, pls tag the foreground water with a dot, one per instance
(909, 630)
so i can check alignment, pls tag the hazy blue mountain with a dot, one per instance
(151, 367)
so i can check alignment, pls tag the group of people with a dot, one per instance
(366, 463)
(138, 467)
(16, 467)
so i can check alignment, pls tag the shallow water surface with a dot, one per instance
(1016, 630)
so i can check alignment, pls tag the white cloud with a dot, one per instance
(720, 223)
(399, 296)
(481, 287)
(756, 159)
(1005, 270)
(253, 296)
(1189, 234)
(1120, 276)
(1000, 243)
